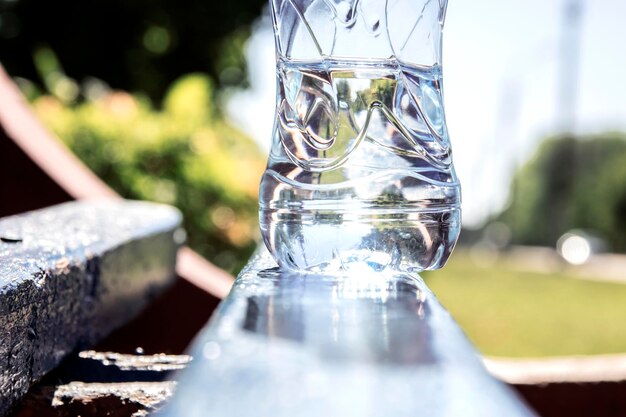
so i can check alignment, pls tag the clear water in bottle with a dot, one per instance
(360, 171)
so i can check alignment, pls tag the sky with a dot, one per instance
(501, 66)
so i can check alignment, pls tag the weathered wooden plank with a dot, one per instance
(94, 384)
(37, 170)
(364, 344)
(72, 273)
(95, 399)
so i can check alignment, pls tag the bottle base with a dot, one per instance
(327, 241)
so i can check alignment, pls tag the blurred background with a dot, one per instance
(173, 101)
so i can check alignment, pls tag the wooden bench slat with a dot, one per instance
(366, 344)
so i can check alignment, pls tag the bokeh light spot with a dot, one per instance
(157, 40)
(574, 249)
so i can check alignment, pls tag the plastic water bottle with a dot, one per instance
(360, 170)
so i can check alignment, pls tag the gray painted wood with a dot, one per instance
(364, 344)
(72, 273)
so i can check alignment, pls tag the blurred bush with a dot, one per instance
(186, 155)
(134, 45)
(571, 183)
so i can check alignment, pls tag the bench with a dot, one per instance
(363, 344)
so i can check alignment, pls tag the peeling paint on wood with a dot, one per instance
(72, 273)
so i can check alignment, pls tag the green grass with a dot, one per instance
(525, 314)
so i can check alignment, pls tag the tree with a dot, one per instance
(135, 45)
(571, 183)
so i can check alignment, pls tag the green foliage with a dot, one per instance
(185, 155)
(189, 99)
(134, 45)
(571, 183)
